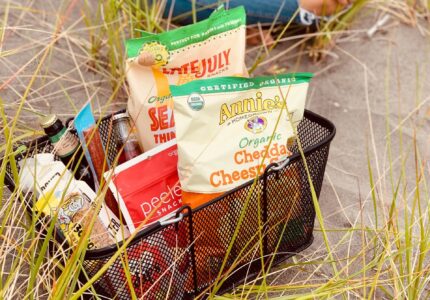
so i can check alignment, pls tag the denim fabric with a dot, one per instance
(256, 11)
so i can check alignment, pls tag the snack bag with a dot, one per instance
(226, 126)
(210, 48)
(147, 187)
(72, 200)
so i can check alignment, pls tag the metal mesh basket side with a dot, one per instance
(291, 212)
(159, 266)
(214, 227)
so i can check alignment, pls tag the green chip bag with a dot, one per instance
(210, 48)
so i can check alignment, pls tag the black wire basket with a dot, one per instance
(221, 244)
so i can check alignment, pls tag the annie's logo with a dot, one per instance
(249, 105)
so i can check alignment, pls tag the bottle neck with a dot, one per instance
(57, 136)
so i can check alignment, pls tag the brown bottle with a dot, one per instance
(127, 143)
(67, 147)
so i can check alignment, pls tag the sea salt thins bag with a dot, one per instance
(226, 126)
(210, 48)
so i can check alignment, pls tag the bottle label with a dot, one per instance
(64, 142)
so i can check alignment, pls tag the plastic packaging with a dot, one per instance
(147, 186)
(210, 48)
(73, 200)
(94, 151)
(229, 129)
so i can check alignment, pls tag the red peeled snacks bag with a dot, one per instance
(147, 187)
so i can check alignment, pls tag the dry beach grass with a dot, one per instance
(372, 239)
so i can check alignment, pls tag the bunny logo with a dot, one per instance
(256, 124)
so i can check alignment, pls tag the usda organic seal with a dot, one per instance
(196, 102)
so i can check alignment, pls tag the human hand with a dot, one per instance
(324, 7)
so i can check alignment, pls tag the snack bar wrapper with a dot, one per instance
(94, 150)
(58, 192)
(147, 187)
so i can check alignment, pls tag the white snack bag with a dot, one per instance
(224, 127)
(210, 48)
(73, 200)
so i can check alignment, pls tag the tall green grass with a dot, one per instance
(391, 262)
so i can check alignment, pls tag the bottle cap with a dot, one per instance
(48, 120)
(119, 116)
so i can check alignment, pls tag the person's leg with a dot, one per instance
(256, 11)
(261, 12)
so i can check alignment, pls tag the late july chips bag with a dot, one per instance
(224, 126)
(213, 47)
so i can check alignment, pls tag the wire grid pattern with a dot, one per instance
(277, 216)
(109, 138)
(159, 267)
(214, 230)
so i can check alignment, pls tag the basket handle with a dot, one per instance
(172, 221)
(281, 165)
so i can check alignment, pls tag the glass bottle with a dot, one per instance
(127, 143)
(67, 147)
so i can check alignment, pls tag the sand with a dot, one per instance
(372, 89)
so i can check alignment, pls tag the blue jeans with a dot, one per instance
(257, 11)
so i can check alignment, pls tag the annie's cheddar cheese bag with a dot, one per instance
(147, 187)
(213, 47)
(226, 126)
